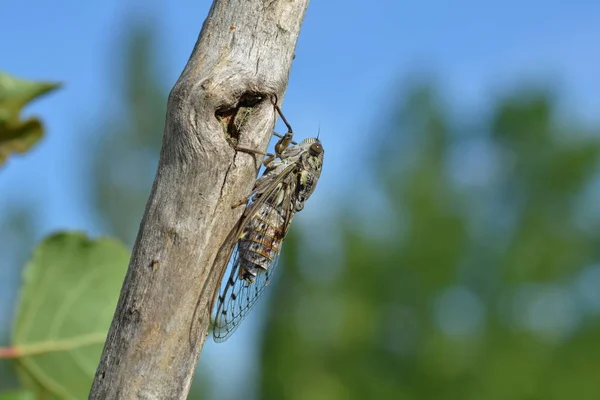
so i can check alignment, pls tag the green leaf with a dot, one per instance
(17, 135)
(17, 395)
(68, 299)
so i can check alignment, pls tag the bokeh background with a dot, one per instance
(452, 248)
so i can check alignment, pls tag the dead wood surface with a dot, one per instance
(242, 57)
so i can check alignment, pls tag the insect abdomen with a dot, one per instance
(260, 242)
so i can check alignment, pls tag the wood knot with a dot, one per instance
(233, 119)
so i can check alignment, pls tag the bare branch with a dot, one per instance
(222, 99)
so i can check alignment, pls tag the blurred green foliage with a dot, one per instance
(67, 301)
(478, 280)
(16, 135)
(17, 236)
(17, 395)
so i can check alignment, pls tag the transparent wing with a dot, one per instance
(238, 295)
(237, 298)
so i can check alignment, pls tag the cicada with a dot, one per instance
(289, 179)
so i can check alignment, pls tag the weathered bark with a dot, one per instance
(241, 59)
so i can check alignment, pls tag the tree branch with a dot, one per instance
(223, 97)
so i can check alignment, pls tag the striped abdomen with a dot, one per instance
(260, 241)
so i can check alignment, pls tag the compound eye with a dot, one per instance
(316, 149)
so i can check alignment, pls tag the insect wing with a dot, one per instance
(239, 295)
(237, 298)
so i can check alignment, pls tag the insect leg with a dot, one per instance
(242, 201)
(285, 121)
(282, 136)
(283, 143)
(250, 151)
(286, 139)
(269, 157)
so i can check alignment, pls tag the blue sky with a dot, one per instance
(350, 61)
(351, 58)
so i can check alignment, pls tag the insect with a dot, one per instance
(289, 179)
